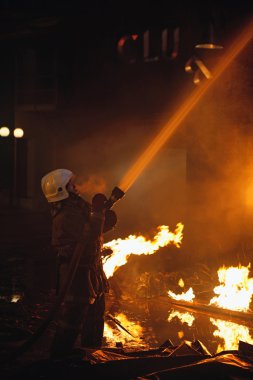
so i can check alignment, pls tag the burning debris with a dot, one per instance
(127, 332)
(187, 296)
(128, 347)
(235, 289)
(235, 293)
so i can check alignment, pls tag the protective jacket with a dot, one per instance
(74, 222)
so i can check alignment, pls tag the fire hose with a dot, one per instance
(116, 194)
(117, 322)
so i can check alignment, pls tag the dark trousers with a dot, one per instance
(93, 327)
(79, 317)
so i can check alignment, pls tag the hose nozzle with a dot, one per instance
(116, 194)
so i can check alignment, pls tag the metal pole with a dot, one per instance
(14, 189)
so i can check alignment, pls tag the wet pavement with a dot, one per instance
(158, 320)
(150, 323)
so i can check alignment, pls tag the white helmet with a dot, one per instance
(54, 184)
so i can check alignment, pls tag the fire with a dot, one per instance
(186, 317)
(109, 333)
(186, 296)
(116, 334)
(139, 245)
(231, 333)
(236, 289)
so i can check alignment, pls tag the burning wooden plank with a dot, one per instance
(233, 296)
(214, 311)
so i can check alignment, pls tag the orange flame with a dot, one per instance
(138, 245)
(116, 334)
(234, 292)
(186, 317)
(235, 289)
(186, 296)
(231, 333)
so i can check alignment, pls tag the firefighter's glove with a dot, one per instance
(98, 203)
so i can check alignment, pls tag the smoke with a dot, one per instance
(202, 177)
(94, 184)
(220, 169)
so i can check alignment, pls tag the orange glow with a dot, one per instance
(249, 194)
(139, 245)
(235, 289)
(231, 333)
(134, 36)
(186, 317)
(166, 132)
(116, 334)
(186, 296)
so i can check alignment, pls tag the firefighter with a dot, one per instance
(77, 224)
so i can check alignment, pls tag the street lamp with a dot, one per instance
(4, 131)
(18, 133)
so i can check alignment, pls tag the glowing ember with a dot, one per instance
(138, 245)
(187, 318)
(116, 334)
(231, 333)
(181, 283)
(236, 288)
(187, 296)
